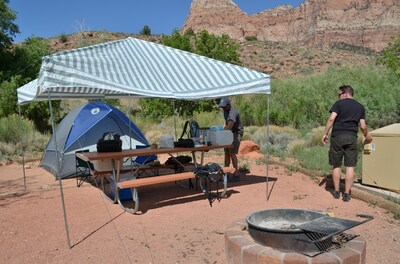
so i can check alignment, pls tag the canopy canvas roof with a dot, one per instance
(136, 68)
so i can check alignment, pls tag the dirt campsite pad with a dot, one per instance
(175, 225)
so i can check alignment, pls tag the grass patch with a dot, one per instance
(244, 168)
(397, 216)
(313, 158)
(393, 199)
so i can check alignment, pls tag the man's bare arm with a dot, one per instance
(229, 125)
(328, 127)
(364, 130)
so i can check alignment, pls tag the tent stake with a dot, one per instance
(58, 170)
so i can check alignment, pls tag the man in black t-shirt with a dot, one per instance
(346, 116)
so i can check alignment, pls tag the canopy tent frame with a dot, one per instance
(68, 75)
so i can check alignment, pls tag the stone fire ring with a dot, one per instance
(240, 248)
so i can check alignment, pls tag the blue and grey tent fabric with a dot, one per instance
(136, 68)
(81, 129)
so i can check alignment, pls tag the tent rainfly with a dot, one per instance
(135, 68)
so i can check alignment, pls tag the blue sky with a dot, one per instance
(48, 18)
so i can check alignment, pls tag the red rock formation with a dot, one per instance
(366, 23)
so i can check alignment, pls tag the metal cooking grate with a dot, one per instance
(322, 243)
(337, 241)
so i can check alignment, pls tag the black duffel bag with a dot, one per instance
(187, 142)
(184, 143)
(109, 142)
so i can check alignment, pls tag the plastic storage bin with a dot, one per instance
(103, 165)
(218, 138)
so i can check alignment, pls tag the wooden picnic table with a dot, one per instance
(116, 157)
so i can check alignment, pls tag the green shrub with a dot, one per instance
(278, 139)
(305, 102)
(251, 38)
(10, 131)
(390, 56)
(314, 137)
(63, 38)
(7, 151)
(207, 119)
(146, 31)
(14, 142)
(353, 48)
(295, 146)
(244, 167)
(307, 70)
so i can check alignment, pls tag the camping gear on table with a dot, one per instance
(190, 129)
(109, 142)
(204, 138)
(184, 143)
(193, 127)
(81, 129)
(166, 141)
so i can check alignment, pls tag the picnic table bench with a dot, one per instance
(140, 182)
(133, 184)
(139, 169)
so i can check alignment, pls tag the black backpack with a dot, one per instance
(193, 127)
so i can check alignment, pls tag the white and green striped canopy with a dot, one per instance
(137, 68)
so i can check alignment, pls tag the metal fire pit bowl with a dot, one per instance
(277, 228)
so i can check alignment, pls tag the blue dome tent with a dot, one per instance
(81, 129)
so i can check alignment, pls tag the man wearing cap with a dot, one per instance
(233, 123)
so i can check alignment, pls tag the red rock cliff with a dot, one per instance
(367, 23)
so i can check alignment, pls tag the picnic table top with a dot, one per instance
(90, 156)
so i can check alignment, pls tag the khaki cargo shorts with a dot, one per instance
(343, 147)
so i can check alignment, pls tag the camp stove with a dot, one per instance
(303, 231)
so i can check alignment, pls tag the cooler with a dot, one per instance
(222, 137)
(124, 194)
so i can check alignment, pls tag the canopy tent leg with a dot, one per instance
(267, 147)
(58, 170)
(23, 146)
(173, 106)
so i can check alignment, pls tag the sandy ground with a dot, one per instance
(176, 225)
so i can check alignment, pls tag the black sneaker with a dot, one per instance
(336, 194)
(346, 197)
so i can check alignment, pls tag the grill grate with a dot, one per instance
(322, 244)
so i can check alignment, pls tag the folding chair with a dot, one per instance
(83, 169)
(146, 160)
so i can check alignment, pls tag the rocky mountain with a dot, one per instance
(279, 59)
(320, 23)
